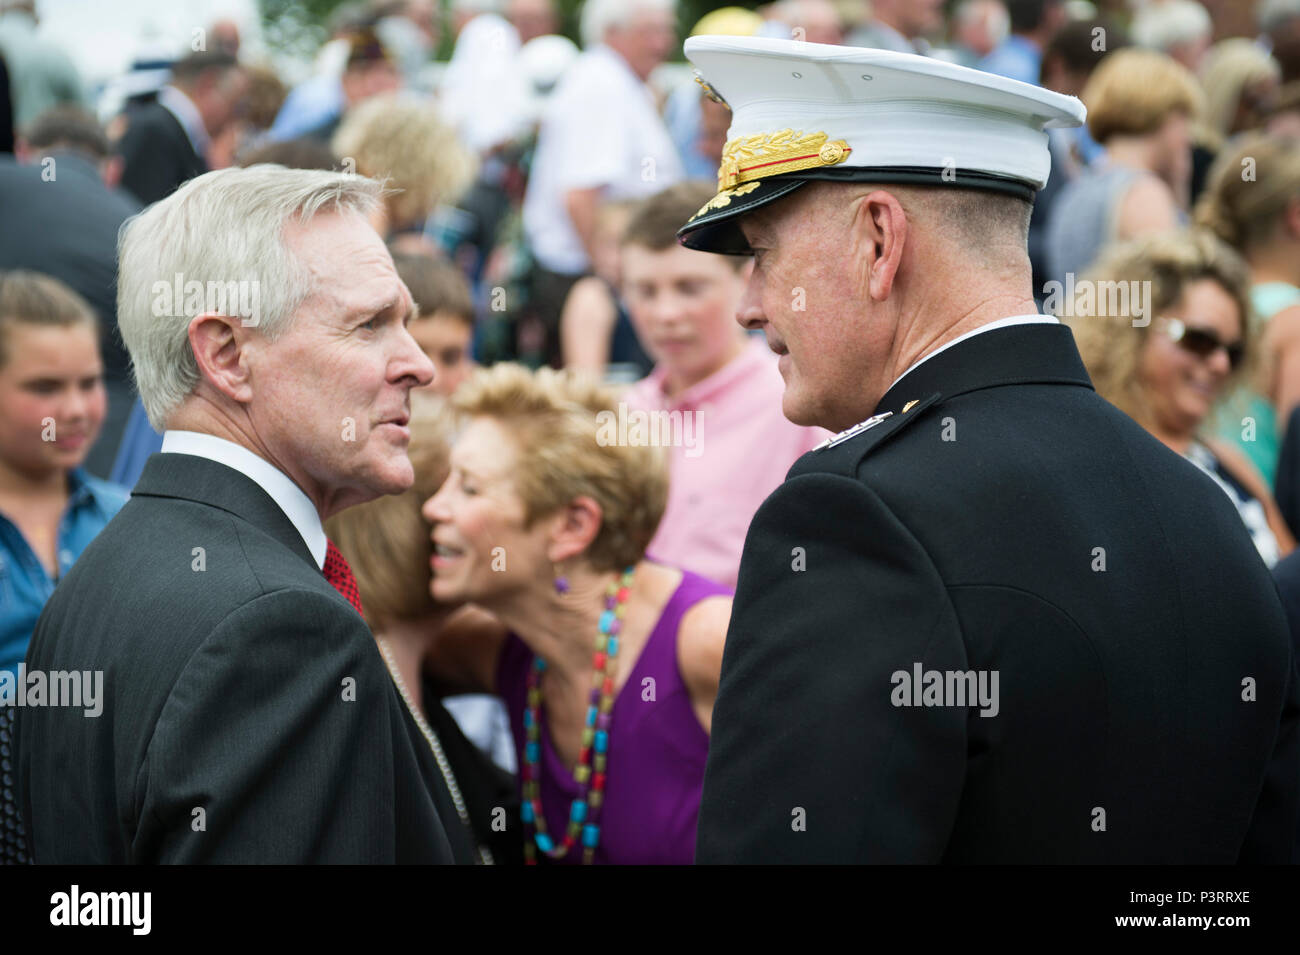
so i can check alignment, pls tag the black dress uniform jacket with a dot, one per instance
(248, 715)
(1009, 521)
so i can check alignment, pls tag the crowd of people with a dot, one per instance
(548, 605)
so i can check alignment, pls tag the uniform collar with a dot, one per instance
(988, 327)
(1015, 354)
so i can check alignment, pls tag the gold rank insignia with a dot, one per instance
(723, 199)
(908, 407)
(747, 158)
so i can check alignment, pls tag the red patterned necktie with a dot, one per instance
(339, 573)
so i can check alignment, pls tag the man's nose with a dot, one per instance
(414, 361)
(749, 313)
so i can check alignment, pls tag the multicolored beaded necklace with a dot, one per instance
(584, 812)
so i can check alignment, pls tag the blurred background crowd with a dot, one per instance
(541, 155)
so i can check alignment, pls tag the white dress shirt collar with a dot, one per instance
(998, 323)
(187, 114)
(290, 498)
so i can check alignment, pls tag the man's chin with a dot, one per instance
(795, 409)
(395, 477)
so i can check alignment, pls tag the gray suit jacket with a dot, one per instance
(247, 713)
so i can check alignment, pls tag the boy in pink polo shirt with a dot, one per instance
(731, 445)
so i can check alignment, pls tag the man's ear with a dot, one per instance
(878, 236)
(220, 344)
(574, 528)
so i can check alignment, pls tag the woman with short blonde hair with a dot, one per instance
(1166, 360)
(1133, 91)
(1141, 107)
(608, 661)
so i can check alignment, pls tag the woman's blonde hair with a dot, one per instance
(1132, 92)
(387, 540)
(1249, 188)
(558, 420)
(1111, 345)
(400, 139)
(1230, 66)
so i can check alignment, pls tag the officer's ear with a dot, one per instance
(879, 234)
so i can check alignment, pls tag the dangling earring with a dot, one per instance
(561, 583)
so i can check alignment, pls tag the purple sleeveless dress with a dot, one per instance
(657, 749)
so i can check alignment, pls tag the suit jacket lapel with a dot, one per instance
(187, 477)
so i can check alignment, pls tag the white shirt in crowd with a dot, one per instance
(600, 129)
(483, 95)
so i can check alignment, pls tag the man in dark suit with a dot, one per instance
(246, 713)
(995, 621)
(166, 141)
(66, 182)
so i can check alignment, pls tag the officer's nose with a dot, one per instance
(750, 311)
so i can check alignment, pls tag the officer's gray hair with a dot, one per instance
(599, 15)
(985, 224)
(222, 230)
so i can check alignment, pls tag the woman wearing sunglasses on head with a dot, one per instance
(1168, 373)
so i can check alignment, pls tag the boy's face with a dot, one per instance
(683, 305)
(445, 338)
(52, 392)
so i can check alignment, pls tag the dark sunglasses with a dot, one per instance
(1202, 342)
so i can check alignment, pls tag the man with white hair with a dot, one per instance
(246, 714)
(601, 138)
(1180, 28)
(978, 27)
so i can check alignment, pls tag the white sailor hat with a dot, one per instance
(809, 111)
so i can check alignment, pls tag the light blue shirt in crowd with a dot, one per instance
(25, 584)
(1016, 58)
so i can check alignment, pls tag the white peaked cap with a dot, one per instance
(809, 111)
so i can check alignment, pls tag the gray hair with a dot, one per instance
(224, 231)
(1169, 24)
(599, 15)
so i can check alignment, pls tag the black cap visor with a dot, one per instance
(717, 227)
